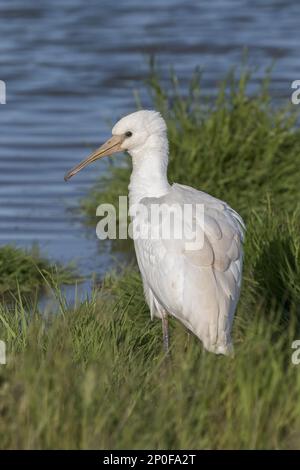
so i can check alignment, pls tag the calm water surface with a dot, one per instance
(71, 67)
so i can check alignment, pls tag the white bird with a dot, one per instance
(199, 287)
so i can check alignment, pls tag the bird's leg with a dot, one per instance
(165, 328)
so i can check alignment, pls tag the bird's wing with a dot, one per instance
(206, 279)
(216, 268)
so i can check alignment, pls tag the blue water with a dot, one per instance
(71, 67)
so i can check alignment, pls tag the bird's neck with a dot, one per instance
(149, 170)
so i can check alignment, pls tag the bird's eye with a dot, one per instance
(128, 134)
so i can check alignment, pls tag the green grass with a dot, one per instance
(94, 376)
(24, 272)
(237, 147)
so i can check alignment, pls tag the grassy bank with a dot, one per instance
(94, 376)
(238, 147)
(26, 272)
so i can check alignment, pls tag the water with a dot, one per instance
(71, 66)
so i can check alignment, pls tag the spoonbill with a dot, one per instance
(199, 287)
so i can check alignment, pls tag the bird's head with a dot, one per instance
(132, 133)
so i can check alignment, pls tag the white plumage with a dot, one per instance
(199, 287)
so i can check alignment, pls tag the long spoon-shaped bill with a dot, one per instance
(112, 145)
